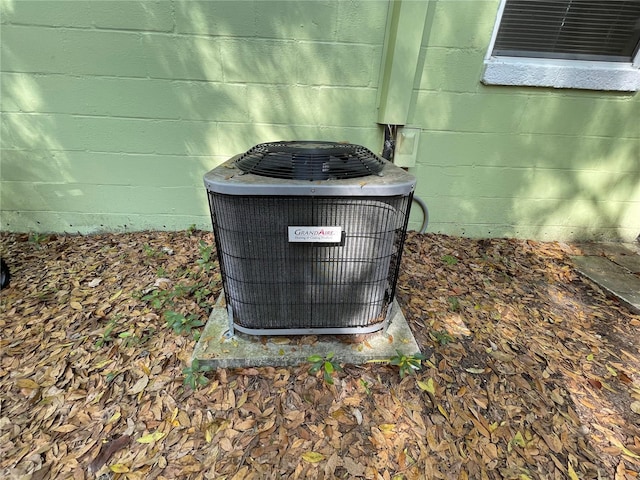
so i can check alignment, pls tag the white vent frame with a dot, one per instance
(558, 73)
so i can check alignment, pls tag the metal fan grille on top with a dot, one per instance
(310, 160)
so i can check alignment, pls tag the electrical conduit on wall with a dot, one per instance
(403, 38)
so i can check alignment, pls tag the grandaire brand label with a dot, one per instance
(315, 234)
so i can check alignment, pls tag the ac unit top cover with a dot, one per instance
(309, 168)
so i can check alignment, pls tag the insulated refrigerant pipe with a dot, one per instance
(425, 213)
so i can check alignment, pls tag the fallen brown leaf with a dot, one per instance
(106, 452)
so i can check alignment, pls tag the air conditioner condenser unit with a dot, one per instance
(309, 237)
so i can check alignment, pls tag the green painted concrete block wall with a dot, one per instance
(512, 161)
(113, 111)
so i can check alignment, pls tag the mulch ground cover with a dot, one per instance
(530, 371)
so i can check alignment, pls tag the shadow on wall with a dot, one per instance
(291, 69)
(569, 166)
(518, 161)
(113, 112)
(591, 182)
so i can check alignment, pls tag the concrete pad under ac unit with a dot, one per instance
(241, 350)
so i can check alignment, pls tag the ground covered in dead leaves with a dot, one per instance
(531, 373)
